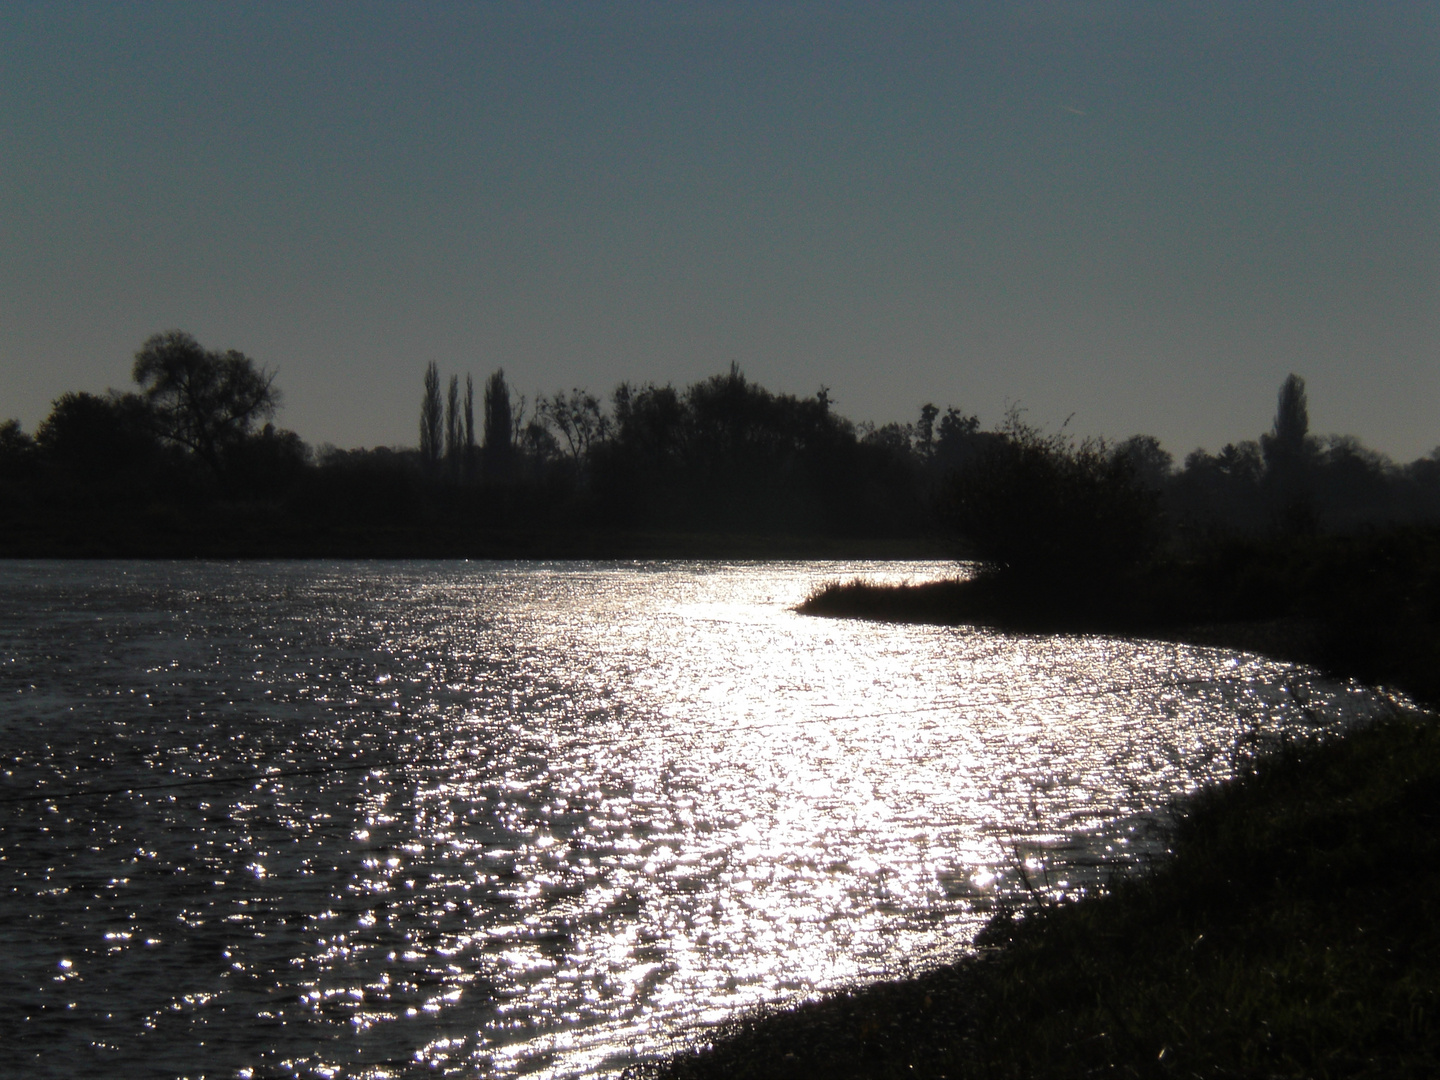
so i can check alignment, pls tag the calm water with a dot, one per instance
(389, 819)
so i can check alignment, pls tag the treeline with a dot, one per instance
(192, 454)
(103, 472)
(1049, 503)
(723, 456)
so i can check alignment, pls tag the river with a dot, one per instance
(384, 819)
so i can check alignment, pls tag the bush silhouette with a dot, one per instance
(1056, 513)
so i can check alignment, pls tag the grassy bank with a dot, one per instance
(1294, 931)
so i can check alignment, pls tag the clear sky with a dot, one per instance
(1144, 214)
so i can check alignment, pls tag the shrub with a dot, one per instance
(1044, 507)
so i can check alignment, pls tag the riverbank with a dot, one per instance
(1364, 607)
(1295, 929)
(1294, 932)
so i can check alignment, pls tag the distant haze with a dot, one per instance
(1141, 214)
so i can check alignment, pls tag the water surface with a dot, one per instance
(383, 819)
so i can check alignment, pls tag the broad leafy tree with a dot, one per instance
(204, 400)
(97, 438)
(579, 419)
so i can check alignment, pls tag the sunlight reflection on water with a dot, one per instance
(507, 818)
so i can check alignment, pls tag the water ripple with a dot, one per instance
(375, 819)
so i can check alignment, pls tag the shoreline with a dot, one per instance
(1279, 937)
(1252, 950)
(966, 602)
(246, 541)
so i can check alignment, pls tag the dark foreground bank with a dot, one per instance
(1295, 931)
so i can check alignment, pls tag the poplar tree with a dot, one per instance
(1289, 459)
(1292, 421)
(499, 421)
(469, 425)
(431, 419)
(453, 428)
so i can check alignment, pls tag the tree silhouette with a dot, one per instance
(578, 418)
(469, 426)
(98, 438)
(958, 439)
(204, 400)
(1289, 457)
(1053, 513)
(499, 423)
(453, 429)
(431, 419)
(1288, 442)
(1151, 464)
(925, 431)
(17, 458)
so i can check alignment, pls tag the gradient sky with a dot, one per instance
(1143, 214)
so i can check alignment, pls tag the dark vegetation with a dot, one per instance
(190, 463)
(1314, 551)
(191, 466)
(1363, 605)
